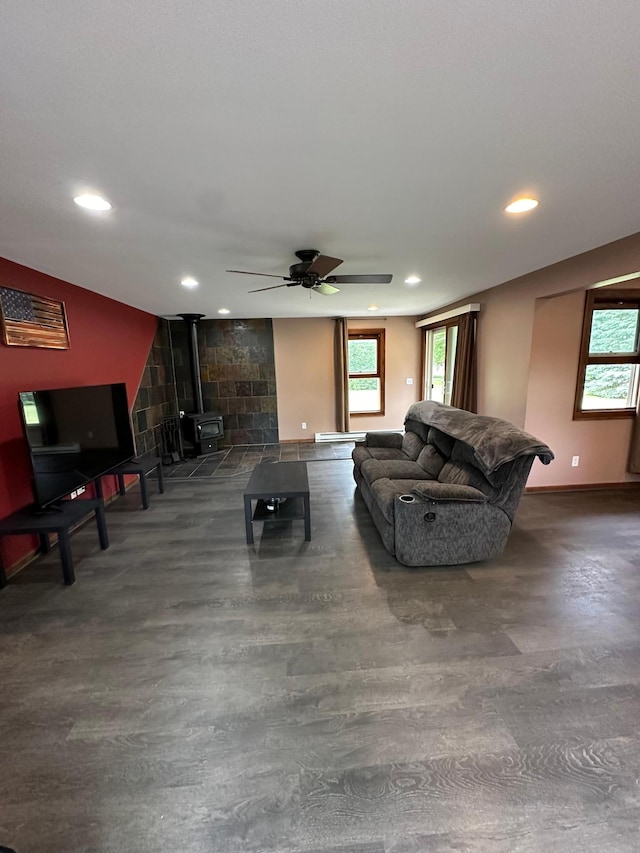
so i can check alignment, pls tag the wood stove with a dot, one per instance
(201, 429)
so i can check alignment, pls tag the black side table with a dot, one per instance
(59, 521)
(142, 468)
(278, 480)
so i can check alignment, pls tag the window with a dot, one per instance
(609, 371)
(440, 355)
(366, 372)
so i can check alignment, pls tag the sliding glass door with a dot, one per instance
(439, 361)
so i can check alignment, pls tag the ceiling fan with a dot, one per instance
(313, 273)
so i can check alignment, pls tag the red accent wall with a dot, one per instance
(109, 343)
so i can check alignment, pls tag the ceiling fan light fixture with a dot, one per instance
(325, 289)
(412, 279)
(91, 201)
(189, 282)
(522, 205)
(313, 273)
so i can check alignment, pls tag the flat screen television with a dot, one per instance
(74, 436)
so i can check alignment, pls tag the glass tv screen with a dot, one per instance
(75, 435)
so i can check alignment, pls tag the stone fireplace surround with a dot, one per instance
(237, 371)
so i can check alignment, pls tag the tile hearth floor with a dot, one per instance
(241, 459)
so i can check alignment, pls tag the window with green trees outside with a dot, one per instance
(366, 372)
(609, 373)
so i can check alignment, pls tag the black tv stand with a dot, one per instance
(59, 521)
(141, 467)
(45, 510)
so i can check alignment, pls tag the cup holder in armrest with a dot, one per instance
(407, 499)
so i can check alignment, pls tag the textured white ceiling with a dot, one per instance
(391, 134)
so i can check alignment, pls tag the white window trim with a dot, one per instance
(448, 315)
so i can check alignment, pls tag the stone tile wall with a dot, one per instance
(182, 373)
(237, 370)
(156, 397)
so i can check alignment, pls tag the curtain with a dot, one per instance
(341, 362)
(464, 391)
(634, 451)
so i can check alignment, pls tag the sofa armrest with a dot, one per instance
(432, 490)
(384, 439)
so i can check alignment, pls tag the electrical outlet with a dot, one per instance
(409, 380)
(304, 424)
(575, 461)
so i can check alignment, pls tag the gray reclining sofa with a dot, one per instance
(447, 490)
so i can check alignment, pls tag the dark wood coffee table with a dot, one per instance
(278, 480)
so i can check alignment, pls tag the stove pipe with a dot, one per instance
(192, 337)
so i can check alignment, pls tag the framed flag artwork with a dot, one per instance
(32, 321)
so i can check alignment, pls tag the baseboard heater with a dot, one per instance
(349, 436)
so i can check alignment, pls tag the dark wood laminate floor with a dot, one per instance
(191, 693)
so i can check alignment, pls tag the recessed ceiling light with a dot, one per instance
(372, 308)
(189, 282)
(92, 202)
(223, 311)
(521, 205)
(413, 279)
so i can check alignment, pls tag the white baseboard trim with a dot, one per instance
(349, 436)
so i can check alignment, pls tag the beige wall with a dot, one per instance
(506, 321)
(303, 351)
(528, 347)
(305, 374)
(601, 445)
(517, 380)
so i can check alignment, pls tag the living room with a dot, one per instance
(194, 691)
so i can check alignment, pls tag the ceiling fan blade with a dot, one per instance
(273, 287)
(326, 289)
(360, 279)
(267, 274)
(323, 265)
